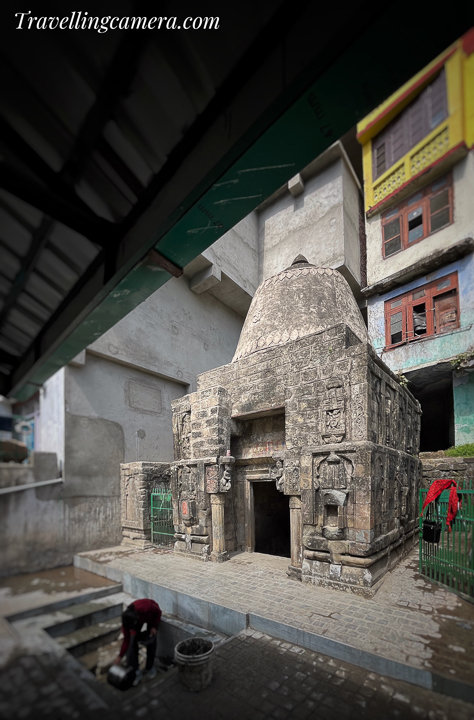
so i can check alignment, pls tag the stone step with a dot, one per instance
(83, 616)
(75, 599)
(90, 638)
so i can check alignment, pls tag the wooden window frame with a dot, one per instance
(411, 204)
(433, 294)
(415, 122)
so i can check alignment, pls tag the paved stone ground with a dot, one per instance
(410, 620)
(255, 678)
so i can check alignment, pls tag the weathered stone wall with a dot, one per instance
(137, 480)
(439, 466)
(346, 445)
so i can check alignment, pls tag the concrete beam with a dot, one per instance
(296, 185)
(205, 279)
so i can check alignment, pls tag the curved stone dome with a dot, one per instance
(299, 301)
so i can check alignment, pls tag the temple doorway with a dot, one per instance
(272, 520)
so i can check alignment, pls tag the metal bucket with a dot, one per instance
(194, 659)
(121, 677)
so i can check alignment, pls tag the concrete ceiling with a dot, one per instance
(117, 144)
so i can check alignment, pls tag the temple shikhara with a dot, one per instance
(304, 446)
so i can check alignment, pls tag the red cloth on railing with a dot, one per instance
(455, 503)
(435, 490)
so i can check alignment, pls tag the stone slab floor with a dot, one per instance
(410, 619)
(255, 678)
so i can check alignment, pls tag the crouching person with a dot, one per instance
(139, 613)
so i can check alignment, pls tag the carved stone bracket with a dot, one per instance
(277, 474)
(225, 469)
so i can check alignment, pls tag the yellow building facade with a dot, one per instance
(446, 141)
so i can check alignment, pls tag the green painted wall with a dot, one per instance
(463, 391)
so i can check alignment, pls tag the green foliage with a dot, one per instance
(462, 358)
(402, 379)
(461, 451)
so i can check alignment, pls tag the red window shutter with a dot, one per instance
(446, 312)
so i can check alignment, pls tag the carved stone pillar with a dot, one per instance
(219, 553)
(294, 570)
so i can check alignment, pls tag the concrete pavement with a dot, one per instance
(411, 630)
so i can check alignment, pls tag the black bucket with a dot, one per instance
(121, 677)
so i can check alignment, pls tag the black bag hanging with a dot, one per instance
(431, 529)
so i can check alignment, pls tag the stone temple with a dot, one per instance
(304, 446)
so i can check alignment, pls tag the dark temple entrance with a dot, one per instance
(272, 520)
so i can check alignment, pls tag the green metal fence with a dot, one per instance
(451, 561)
(162, 529)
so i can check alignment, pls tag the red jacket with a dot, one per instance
(149, 612)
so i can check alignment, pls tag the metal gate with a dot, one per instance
(451, 561)
(162, 529)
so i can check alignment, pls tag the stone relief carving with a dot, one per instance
(401, 440)
(212, 478)
(161, 480)
(182, 435)
(358, 415)
(292, 476)
(409, 430)
(187, 493)
(276, 473)
(128, 506)
(226, 479)
(334, 471)
(334, 414)
(388, 416)
(376, 405)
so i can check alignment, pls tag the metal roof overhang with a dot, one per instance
(155, 145)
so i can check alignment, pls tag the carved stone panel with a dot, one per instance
(182, 435)
(333, 471)
(389, 439)
(334, 414)
(292, 477)
(212, 478)
(359, 415)
(188, 512)
(187, 491)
